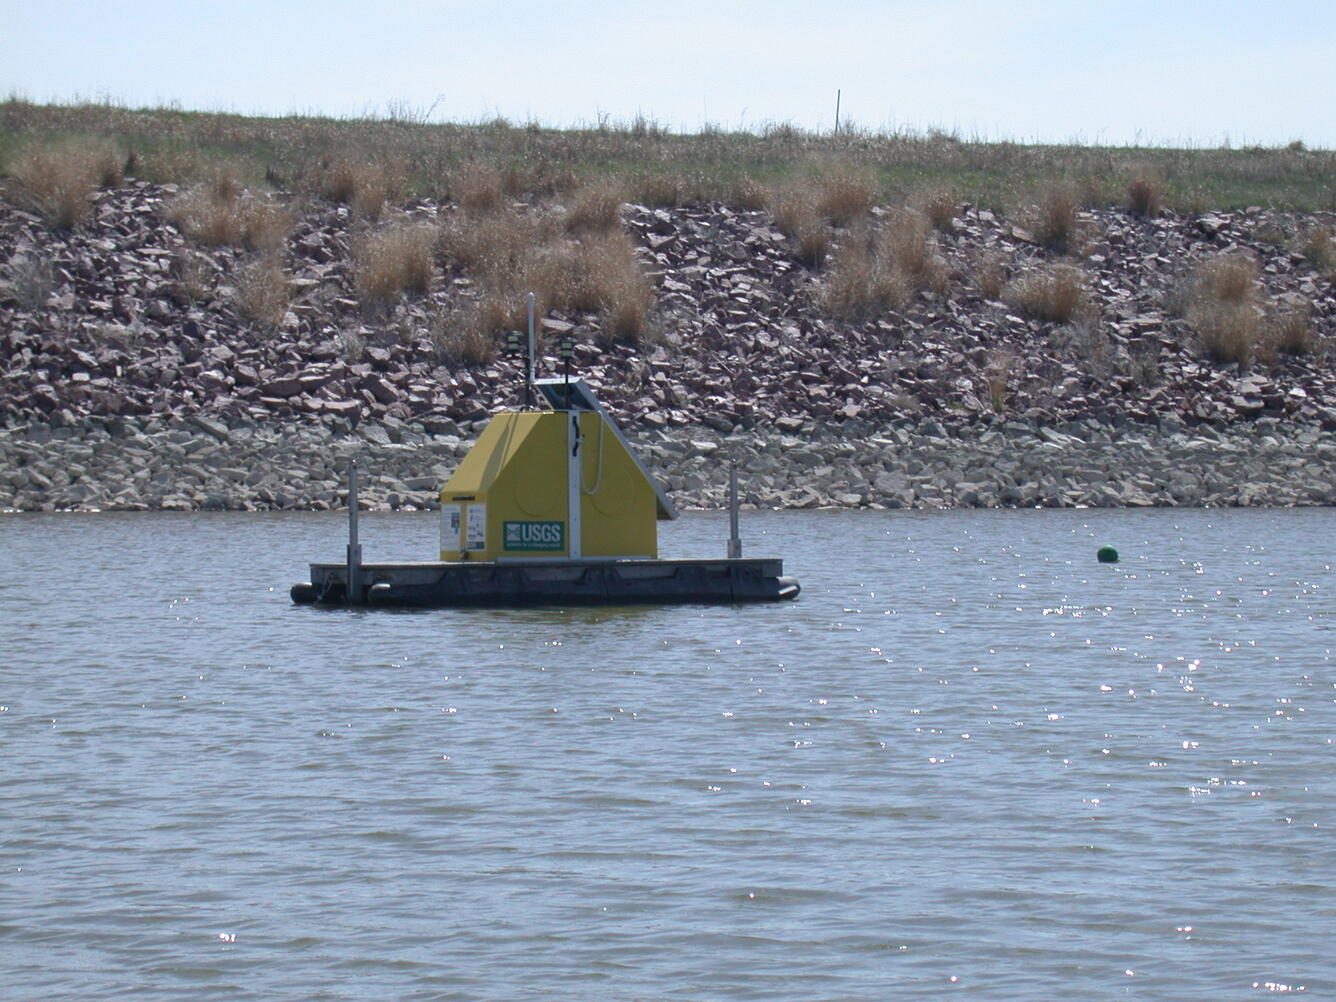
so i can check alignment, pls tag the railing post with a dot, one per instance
(354, 587)
(734, 540)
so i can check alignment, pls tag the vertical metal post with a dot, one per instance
(354, 547)
(528, 377)
(837, 110)
(533, 355)
(734, 540)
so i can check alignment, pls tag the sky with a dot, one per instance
(1169, 72)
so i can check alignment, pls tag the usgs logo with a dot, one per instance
(535, 535)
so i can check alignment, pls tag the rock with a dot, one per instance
(281, 388)
(215, 428)
(342, 408)
(891, 482)
(382, 389)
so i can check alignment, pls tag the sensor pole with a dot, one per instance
(354, 547)
(734, 539)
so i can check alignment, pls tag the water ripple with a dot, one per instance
(969, 759)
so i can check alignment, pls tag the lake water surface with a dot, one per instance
(969, 761)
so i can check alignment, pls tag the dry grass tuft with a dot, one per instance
(365, 186)
(1222, 307)
(266, 225)
(458, 337)
(791, 209)
(749, 193)
(1316, 245)
(393, 260)
(506, 309)
(1055, 219)
(1056, 293)
(479, 190)
(541, 178)
(224, 183)
(883, 268)
(110, 163)
(595, 209)
(1145, 195)
(31, 279)
(168, 165)
(992, 275)
(1229, 278)
(59, 180)
(940, 206)
(844, 197)
(189, 283)
(797, 217)
(626, 314)
(661, 191)
(339, 181)
(1092, 191)
(812, 245)
(862, 281)
(908, 237)
(1292, 329)
(1228, 331)
(515, 182)
(221, 213)
(493, 246)
(263, 291)
(605, 276)
(513, 253)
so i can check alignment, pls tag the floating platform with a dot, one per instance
(549, 507)
(444, 584)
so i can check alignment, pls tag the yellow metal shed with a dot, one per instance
(563, 483)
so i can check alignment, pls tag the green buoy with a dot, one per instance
(1107, 555)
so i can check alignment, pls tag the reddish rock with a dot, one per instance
(280, 388)
(381, 389)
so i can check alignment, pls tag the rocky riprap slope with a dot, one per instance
(116, 390)
(201, 463)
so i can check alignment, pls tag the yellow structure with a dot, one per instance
(552, 484)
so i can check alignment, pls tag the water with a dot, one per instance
(969, 760)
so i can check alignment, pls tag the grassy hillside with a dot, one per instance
(658, 167)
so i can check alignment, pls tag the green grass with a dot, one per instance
(289, 152)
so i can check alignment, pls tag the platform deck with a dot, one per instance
(551, 582)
